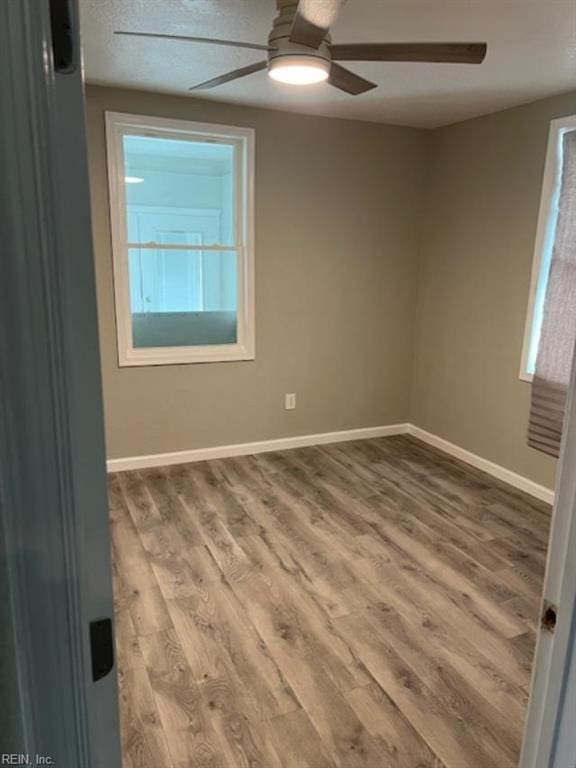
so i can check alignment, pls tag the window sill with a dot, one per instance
(527, 377)
(185, 356)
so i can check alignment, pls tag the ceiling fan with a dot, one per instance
(300, 49)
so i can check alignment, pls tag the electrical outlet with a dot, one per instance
(290, 402)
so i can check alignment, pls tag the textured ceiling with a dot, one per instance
(531, 54)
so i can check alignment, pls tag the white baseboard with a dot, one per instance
(284, 443)
(244, 449)
(512, 478)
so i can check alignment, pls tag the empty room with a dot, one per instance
(300, 578)
(333, 254)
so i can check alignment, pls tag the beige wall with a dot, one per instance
(337, 216)
(390, 262)
(478, 231)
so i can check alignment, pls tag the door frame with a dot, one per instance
(53, 505)
(210, 213)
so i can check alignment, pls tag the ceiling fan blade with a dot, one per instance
(209, 40)
(234, 75)
(313, 20)
(452, 53)
(347, 81)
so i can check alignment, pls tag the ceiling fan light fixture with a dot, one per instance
(299, 70)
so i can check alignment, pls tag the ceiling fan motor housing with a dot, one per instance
(279, 39)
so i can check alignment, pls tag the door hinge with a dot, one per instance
(62, 30)
(102, 648)
(549, 617)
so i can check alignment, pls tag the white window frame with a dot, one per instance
(119, 125)
(545, 234)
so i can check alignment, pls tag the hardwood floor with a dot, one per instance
(370, 604)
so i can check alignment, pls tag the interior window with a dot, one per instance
(545, 237)
(181, 212)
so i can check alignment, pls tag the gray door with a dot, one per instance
(564, 755)
(55, 564)
(549, 733)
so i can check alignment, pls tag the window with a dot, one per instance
(181, 210)
(545, 235)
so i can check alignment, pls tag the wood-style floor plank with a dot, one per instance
(439, 711)
(296, 728)
(401, 744)
(363, 605)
